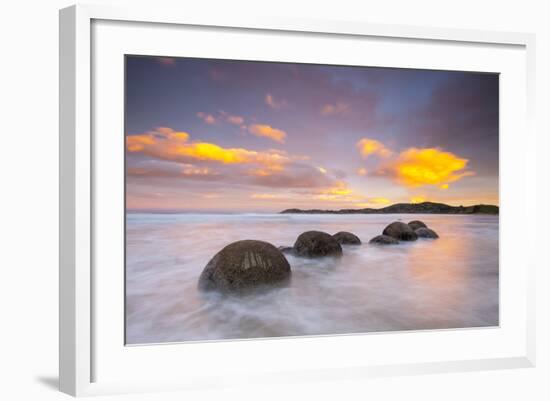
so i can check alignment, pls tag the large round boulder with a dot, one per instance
(424, 232)
(417, 224)
(314, 244)
(244, 265)
(383, 240)
(400, 231)
(346, 238)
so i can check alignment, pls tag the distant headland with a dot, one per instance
(412, 208)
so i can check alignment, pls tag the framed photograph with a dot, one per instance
(294, 200)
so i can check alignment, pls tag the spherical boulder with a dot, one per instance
(400, 231)
(424, 232)
(315, 244)
(346, 238)
(244, 265)
(383, 240)
(417, 224)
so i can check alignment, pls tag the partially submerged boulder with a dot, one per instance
(346, 238)
(383, 240)
(244, 265)
(400, 231)
(424, 232)
(417, 224)
(314, 244)
(286, 249)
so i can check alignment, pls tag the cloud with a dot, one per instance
(294, 175)
(232, 118)
(164, 154)
(193, 170)
(222, 116)
(373, 202)
(263, 130)
(163, 169)
(415, 167)
(379, 201)
(336, 108)
(166, 144)
(369, 147)
(207, 118)
(341, 193)
(338, 192)
(322, 170)
(138, 143)
(339, 188)
(265, 196)
(274, 104)
(429, 166)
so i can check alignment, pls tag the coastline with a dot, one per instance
(406, 208)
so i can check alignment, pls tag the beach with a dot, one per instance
(450, 282)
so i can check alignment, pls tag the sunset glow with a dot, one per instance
(268, 136)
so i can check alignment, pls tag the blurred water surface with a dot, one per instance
(451, 282)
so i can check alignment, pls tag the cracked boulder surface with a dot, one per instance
(245, 265)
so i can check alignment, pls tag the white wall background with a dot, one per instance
(29, 184)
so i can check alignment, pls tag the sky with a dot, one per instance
(207, 135)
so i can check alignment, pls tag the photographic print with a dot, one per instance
(270, 199)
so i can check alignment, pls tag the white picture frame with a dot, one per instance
(82, 343)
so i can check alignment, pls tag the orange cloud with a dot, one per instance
(337, 108)
(167, 144)
(373, 202)
(369, 147)
(340, 188)
(334, 191)
(339, 192)
(416, 167)
(207, 118)
(267, 131)
(274, 104)
(380, 201)
(429, 166)
(138, 143)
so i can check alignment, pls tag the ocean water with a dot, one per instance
(451, 282)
